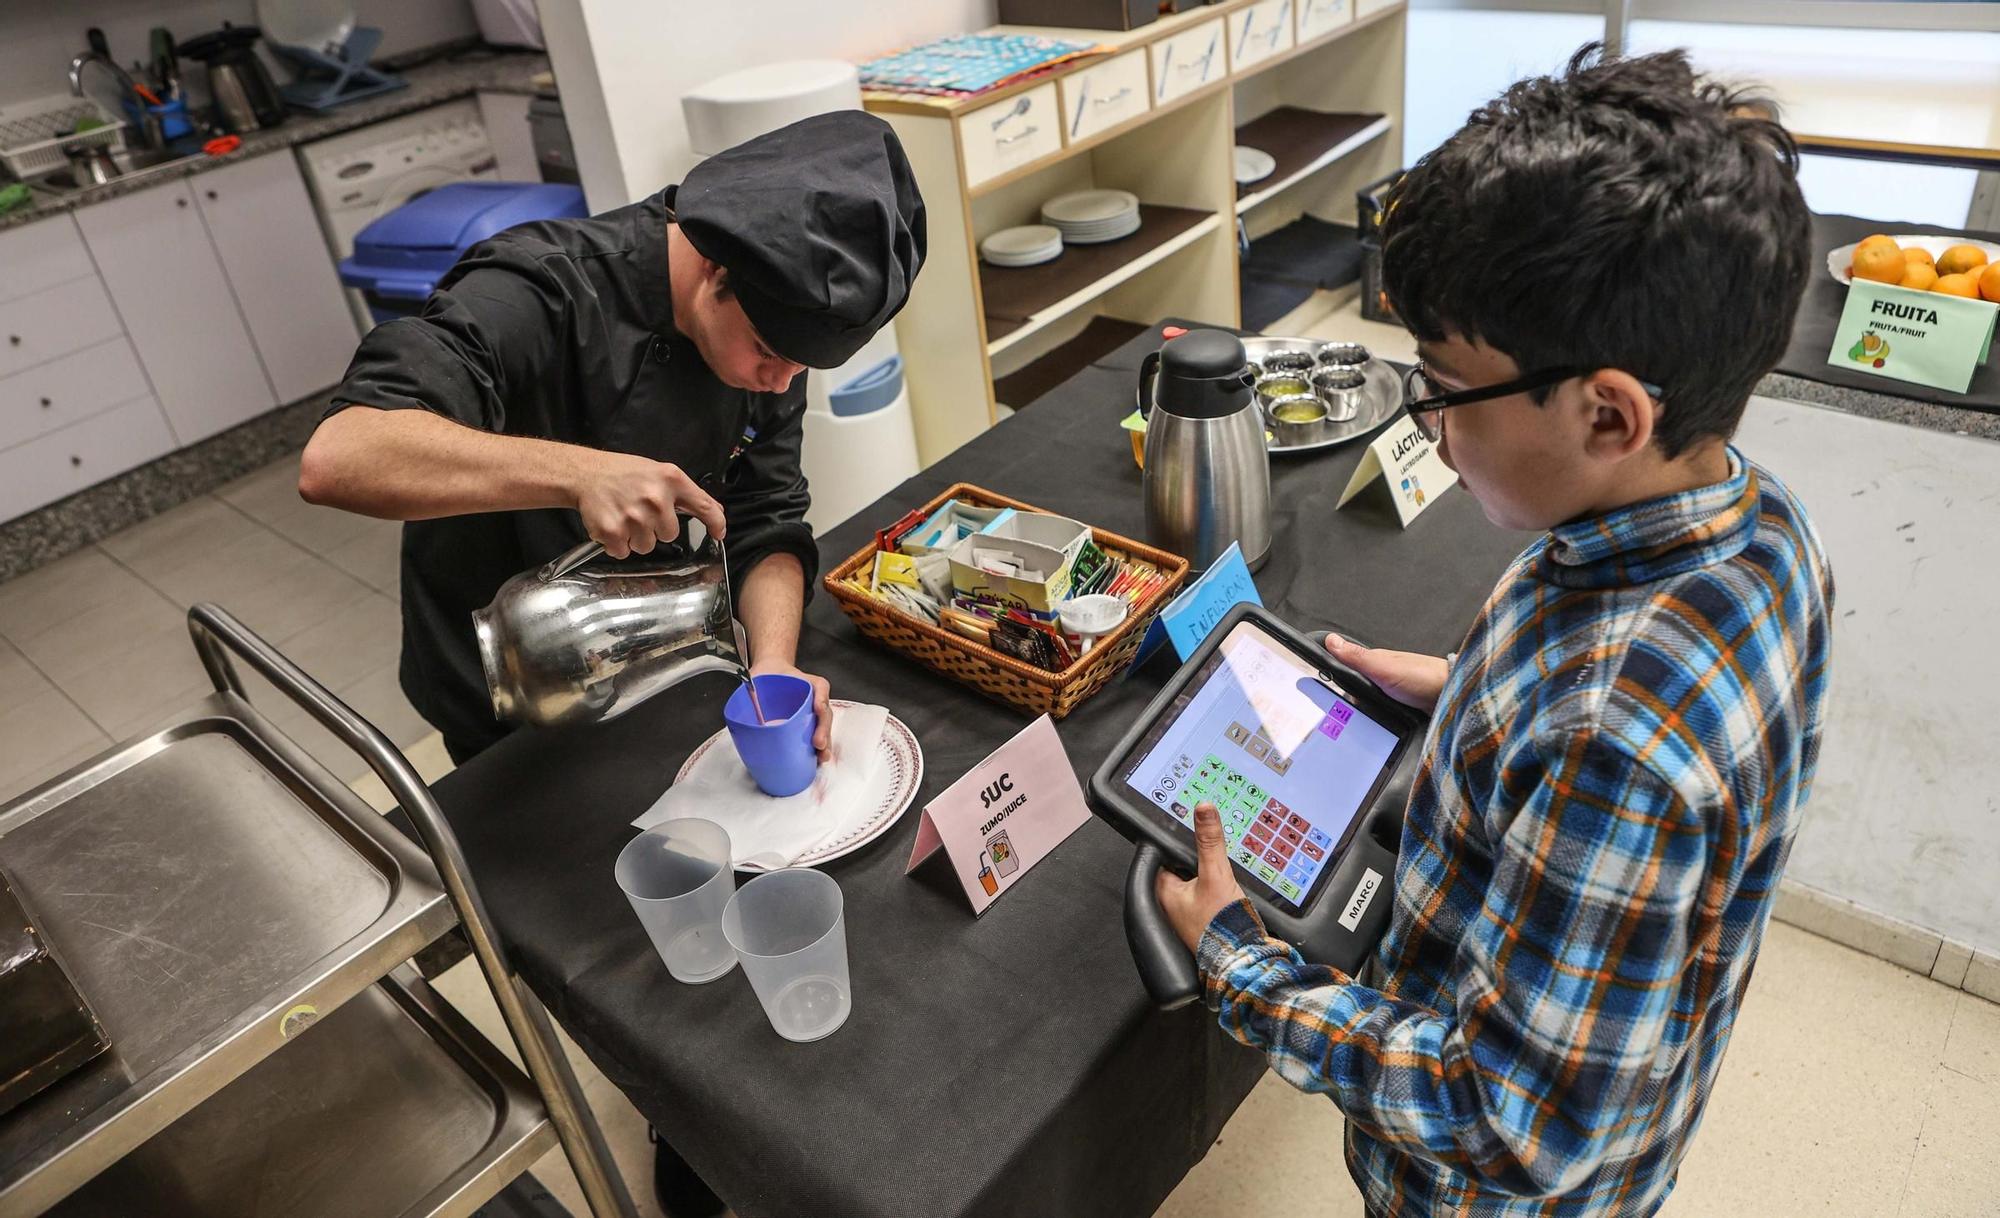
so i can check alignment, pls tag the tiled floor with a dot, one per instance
(1853, 1087)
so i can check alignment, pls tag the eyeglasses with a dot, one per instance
(1423, 397)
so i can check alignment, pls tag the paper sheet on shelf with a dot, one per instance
(720, 789)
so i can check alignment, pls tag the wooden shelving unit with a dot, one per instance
(1099, 338)
(1314, 83)
(1302, 142)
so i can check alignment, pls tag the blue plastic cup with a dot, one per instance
(779, 751)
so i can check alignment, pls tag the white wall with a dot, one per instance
(1921, 86)
(1914, 86)
(624, 64)
(1905, 814)
(1459, 60)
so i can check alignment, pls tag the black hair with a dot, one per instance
(1625, 214)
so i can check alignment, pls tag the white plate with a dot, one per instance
(1039, 242)
(1089, 207)
(1253, 164)
(1097, 234)
(903, 768)
(1839, 260)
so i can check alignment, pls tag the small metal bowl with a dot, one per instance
(1278, 385)
(1300, 419)
(1342, 390)
(1279, 362)
(1342, 355)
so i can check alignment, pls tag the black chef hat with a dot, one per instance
(820, 227)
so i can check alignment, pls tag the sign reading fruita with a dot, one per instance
(1914, 319)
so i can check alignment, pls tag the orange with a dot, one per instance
(1962, 284)
(1881, 263)
(1960, 258)
(1869, 243)
(1989, 282)
(1917, 253)
(1920, 275)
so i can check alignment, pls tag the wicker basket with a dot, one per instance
(999, 676)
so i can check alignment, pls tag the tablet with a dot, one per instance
(1290, 748)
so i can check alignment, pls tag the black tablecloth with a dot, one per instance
(1003, 1065)
(1819, 316)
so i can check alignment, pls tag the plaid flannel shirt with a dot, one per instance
(1612, 781)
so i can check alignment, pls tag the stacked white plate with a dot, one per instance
(1027, 245)
(1089, 216)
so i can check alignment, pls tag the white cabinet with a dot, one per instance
(66, 461)
(505, 117)
(154, 253)
(41, 255)
(54, 322)
(69, 389)
(1010, 133)
(262, 224)
(1318, 17)
(1101, 97)
(1259, 32)
(1188, 60)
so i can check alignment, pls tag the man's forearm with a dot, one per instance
(415, 465)
(771, 599)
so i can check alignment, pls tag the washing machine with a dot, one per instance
(360, 175)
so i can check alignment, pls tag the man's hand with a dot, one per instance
(1408, 677)
(1191, 905)
(822, 702)
(631, 504)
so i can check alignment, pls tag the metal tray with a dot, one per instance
(392, 1105)
(216, 890)
(1384, 395)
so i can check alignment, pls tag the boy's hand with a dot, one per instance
(1191, 905)
(1408, 677)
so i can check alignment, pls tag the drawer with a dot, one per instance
(55, 321)
(1010, 133)
(1368, 8)
(1259, 32)
(41, 255)
(1099, 98)
(1318, 17)
(81, 455)
(1188, 60)
(67, 390)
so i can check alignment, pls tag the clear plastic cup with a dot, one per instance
(788, 931)
(679, 880)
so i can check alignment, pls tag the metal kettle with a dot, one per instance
(571, 643)
(1208, 472)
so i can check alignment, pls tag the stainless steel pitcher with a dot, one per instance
(1208, 472)
(569, 642)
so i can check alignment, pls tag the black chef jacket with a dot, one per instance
(564, 330)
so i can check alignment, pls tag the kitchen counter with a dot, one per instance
(489, 71)
(1953, 420)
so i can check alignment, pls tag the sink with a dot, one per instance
(133, 164)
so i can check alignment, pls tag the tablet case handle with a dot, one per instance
(1166, 967)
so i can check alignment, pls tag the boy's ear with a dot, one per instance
(1621, 413)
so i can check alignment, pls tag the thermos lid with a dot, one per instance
(1204, 374)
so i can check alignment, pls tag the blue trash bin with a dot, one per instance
(399, 258)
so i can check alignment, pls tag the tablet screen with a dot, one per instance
(1287, 759)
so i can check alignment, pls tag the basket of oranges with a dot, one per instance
(1922, 263)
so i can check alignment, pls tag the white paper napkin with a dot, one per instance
(720, 789)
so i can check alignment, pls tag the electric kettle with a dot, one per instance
(574, 641)
(1208, 472)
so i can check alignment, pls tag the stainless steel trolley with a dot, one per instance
(241, 922)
